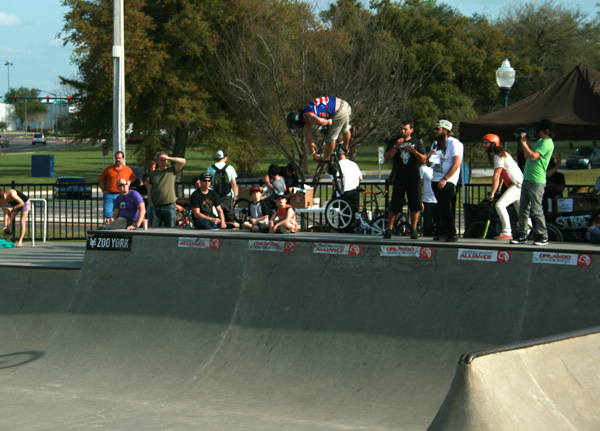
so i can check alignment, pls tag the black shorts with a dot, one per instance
(412, 191)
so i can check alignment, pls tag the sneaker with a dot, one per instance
(440, 238)
(414, 234)
(452, 239)
(540, 242)
(520, 240)
(387, 234)
(503, 237)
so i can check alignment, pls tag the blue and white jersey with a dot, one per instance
(322, 107)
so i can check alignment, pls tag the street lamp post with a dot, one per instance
(8, 64)
(505, 77)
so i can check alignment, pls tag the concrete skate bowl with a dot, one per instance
(177, 335)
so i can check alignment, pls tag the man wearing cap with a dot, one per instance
(204, 202)
(537, 159)
(108, 182)
(129, 211)
(408, 154)
(445, 158)
(161, 190)
(228, 196)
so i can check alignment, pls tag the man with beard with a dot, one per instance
(445, 158)
(506, 171)
(407, 154)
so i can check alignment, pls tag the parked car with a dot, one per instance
(72, 187)
(4, 140)
(584, 157)
(38, 138)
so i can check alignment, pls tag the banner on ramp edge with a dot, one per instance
(280, 246)
(332, 248)
(192, 242)
(558, 258)
(484, 255)
(109, 242)
(406, 251)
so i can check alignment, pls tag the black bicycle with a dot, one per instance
(332, 167)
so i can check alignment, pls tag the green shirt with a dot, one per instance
(163, 186)
(535, 171)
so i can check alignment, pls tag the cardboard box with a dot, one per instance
(570, 205)
(302, 200)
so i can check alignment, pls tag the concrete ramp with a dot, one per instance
(234, 331)
(549, 384)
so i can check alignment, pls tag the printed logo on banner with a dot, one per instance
(484, 255)
(212, 243)
(281, 246)
(330, 248)
(109, 242)
(563, 258)
(406, 251)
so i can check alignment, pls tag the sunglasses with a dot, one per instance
(206, 181)
(121, 185)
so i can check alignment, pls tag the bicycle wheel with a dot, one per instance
(379, 225)
(554, 233)
(241, 210)
(339, 214)
(476, 230)
(402, 228)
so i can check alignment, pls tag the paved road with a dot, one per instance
(230, 330)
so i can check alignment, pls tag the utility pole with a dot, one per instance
(118, 52)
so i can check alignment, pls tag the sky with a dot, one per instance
(28, 30)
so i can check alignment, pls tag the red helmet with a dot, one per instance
(494, 139)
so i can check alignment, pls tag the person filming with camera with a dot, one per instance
(537, 158)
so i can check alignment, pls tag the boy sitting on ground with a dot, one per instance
(258, 212)
(283, 219)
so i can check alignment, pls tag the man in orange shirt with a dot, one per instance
(108, 182)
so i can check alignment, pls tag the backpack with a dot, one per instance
(220, 184)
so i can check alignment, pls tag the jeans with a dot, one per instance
(531, 205)
(595, 235)
(200, 223)
(163, 215)
(432, 219)
(446, 198)
(109, 203)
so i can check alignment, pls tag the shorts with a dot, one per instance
(340, 122)
(413, 194)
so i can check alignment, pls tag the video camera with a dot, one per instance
(531, 133)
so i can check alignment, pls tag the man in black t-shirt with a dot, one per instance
(203, 201)
(407, 154)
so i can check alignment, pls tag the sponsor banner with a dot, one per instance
(406, 251)
(192, 242)
(332, 248)
(280, 246)
(558, 258)
(484, 255)
(109, 242)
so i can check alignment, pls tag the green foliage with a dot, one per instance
(27, 110)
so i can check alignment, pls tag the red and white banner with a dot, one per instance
(484, 255)
(406, 251)
(343, 249)
(279, 246)
(558, 258)
(211, 243)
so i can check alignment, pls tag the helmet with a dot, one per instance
(294, 120)
(494, 139)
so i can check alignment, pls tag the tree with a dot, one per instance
(554, 38)
(167, 100)
(27, 110)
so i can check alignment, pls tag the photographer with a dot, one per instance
(537, 158)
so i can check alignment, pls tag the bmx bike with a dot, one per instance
(370, 219)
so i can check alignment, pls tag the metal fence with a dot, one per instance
(60, 214)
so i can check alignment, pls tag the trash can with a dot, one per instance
(42, 165)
